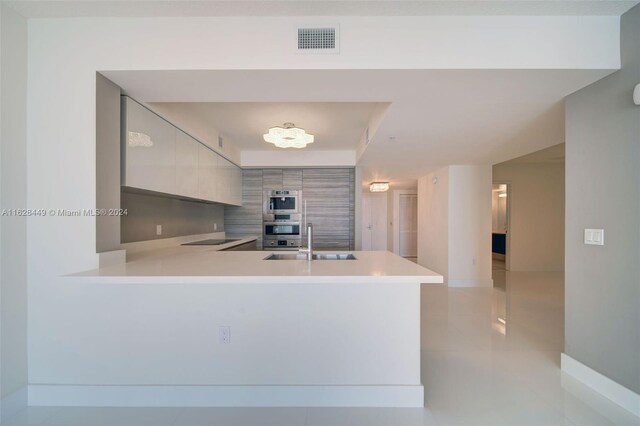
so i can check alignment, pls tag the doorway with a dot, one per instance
(405, 223)
(374, 221)
(500, 232)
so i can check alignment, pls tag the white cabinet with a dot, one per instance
(224, 180)
(149, 146)
(186, 165)
(160, 157)
(236, 186)
(207, 174)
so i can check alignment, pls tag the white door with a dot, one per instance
(374, 221)
(408, 225)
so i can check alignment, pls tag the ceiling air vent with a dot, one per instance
(318, 40)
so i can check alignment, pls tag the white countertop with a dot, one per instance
(207, 264)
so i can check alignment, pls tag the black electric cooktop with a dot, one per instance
(208, 242)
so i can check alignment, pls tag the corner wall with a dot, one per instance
(433, 222)
(602, 284)
(536, 232)
(13, 229)
(454, 224)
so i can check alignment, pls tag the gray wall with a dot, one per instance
(536, 233)
(107, 163)
(602, 290)
(177, 217)
(13, 192)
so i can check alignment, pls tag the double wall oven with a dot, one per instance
(282, 220)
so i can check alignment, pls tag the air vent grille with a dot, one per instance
(316, 38)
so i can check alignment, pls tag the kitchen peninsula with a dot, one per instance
(201, 327)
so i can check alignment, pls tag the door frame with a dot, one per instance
(396, 216)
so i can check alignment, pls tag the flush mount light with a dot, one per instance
(379, 187)
(288, 136)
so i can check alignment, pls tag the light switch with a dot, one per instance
(594, 237)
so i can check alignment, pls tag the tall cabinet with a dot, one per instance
(159, 157)
(329, 196)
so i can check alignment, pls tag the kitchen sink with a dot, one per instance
(317, 256)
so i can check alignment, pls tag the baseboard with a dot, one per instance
(470, 283)
(227, 396)
(13, 403)
(626, 398)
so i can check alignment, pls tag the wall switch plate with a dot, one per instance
(224, 334)
(594, 237)
(215, 226)
(158, 229)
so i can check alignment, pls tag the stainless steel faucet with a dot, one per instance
(309, 249)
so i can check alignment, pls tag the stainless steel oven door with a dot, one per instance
(288, 230)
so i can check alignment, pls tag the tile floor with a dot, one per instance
(489, 357)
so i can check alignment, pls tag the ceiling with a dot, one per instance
(335, 125)
(553, 154)
(164, 8)
(435, 117)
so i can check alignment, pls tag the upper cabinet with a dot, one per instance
(207, 174)
(187, 165)
(159, 157)
(149, 150)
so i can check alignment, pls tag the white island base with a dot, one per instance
(302, 338)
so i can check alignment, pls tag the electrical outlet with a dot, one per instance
(215, 226)
(158, 229)
(224, 334)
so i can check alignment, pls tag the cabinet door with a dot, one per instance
(150, 161)
(292, 179)
(236, 185)
(186, 165)
(207, 174)
(224, 180)
(327, 193)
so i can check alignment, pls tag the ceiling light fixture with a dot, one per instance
(288, 136)
(502, 194)
(379, 186)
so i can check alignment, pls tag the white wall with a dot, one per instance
(13, 279)
(433, 222)
(470, 226)
(64, 55)
(536, 235)
(454, 224)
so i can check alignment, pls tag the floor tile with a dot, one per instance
(369, 417)
(31, 416)
(114, 416)
(228, 416)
